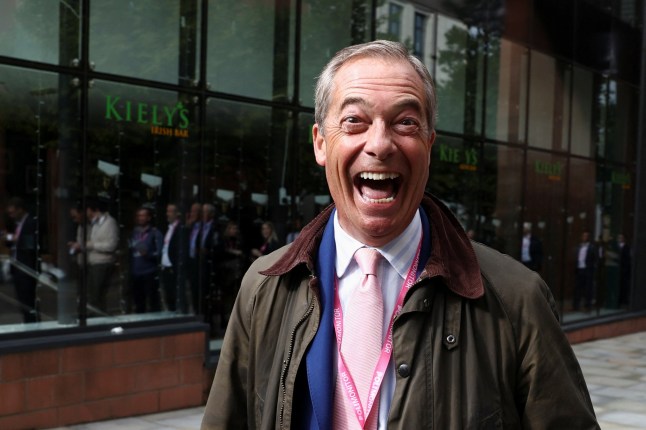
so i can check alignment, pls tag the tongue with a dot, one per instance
(376, 190)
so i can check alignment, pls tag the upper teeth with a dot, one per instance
(378, 176)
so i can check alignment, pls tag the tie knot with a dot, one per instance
(368, 260)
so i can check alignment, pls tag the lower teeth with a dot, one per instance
(386, 200)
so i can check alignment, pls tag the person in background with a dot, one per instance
(23, 243)
(625, 267)
(270, 241)
(231, 264)
(587, 257)
(296, 230)
(382, 313)
(172, 261)
(101, 247)
(146, 244)
(209, 236)
(531, 254)
(193, 230)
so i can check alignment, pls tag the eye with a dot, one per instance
(407, 126)
(353, 124)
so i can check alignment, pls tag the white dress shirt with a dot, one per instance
(393, 268)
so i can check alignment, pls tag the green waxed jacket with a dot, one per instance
(477, 344)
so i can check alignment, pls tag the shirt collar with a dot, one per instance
(398, 251)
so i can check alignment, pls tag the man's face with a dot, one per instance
(207, 215)
(14, 213)
(196, 209)
(171, 213)
(143, 218)
(376, 149)
(585, 237)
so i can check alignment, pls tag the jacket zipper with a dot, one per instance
(287, 361)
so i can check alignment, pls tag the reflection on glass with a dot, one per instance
(506, 91)
(621, 132)
(549, 109)
(39, 165)
(142, 170)
(31, 30)
(458, 77)
(454, 177)
(254, 63)
(501, 191)
(327, 27)
(544, 199)
(583, 108)
(409, 24)
(142, 39)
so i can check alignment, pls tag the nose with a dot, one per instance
(379, 142)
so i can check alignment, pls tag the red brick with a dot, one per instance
(33, 420)
(54, 391)
(110, 382)
(84, 413)
(12, 398)
(162, 374)
(140, 350)
(191, 370)
(137, 404)
(184, 345)
(87, 357)
(30, 365)
(180, 397)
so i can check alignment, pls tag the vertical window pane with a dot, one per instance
(501, 186)
(583, 108)
(39, 183)
(148, 39)
(544, 200)
(459, 77)
(328, 27)
(455, 174)
(506, 91)
(250, 48)
(142, 157)
(623, 106)
(548, 103)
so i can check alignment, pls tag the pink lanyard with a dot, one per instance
(386, 350)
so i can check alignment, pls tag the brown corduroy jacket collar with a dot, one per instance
(452, 256)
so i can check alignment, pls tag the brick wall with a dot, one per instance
(76, 384)
(607, 330)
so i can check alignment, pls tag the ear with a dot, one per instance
(320, 145)
(431, 141)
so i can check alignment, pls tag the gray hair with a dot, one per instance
(384, 49)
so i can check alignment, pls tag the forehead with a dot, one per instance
(367, 77)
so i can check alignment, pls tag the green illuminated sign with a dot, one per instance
(466, 159)
(163, 120)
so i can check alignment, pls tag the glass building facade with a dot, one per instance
(141, 113)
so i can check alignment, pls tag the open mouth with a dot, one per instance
(378, 187)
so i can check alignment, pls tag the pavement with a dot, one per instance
(614, 369)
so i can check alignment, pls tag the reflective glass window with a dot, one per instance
(411, 25)
(456, 166)
(544, 204)
(148, 39)
(621, 122)
(40, 178)
(585, 99)
(142, 176)
(506, 101)
(40, 30)
(328, 27)
(459, 76)
(250, 48)
(549, 106)
(501, 188)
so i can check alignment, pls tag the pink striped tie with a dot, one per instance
(361, 343)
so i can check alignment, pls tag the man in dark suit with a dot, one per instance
(172, 262)
(531, 254)
(625, 262)
(586, 263)
(23, 243)
(209, 237)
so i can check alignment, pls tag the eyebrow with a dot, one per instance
(411, 103)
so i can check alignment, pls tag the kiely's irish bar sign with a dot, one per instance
(163, 120)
